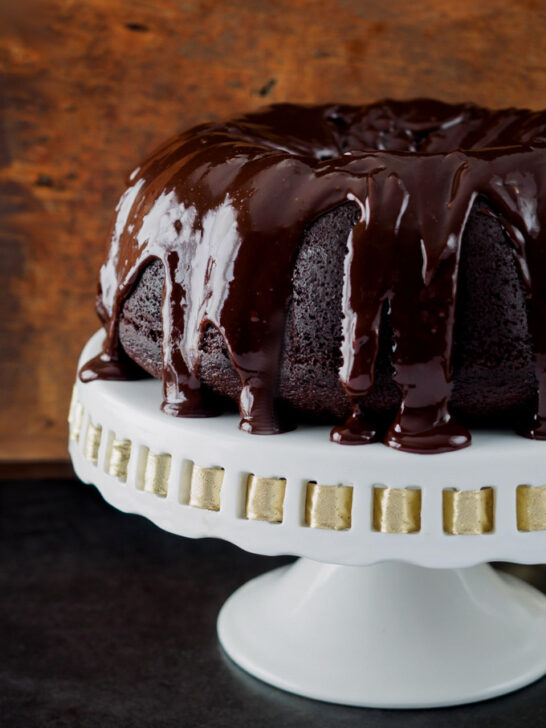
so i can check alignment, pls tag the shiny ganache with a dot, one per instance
(224, 207)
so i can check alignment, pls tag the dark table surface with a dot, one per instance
(105, 620)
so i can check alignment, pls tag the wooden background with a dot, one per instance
(89, 86)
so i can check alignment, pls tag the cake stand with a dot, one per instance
(392, 603)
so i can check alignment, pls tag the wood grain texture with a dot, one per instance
(88, 87)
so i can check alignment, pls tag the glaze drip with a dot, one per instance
(224, 208)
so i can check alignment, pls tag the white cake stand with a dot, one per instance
(393, 604)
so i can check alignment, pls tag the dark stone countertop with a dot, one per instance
(105, 620)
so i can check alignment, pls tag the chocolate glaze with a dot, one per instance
(224, 208)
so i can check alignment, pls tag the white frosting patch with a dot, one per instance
(211, 273)
(206, 250)
(158, 231)
(108, 275)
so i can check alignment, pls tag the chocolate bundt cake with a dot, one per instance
(381, 268)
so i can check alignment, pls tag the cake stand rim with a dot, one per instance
(111, 406)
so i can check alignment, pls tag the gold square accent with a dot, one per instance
(468, 512)
(396, 510)
(75, 416)
(77, 422)
(73, 403)
(156, 473)
(92, 442)
(118, 458)
(205, 487)
(328, 506)
(265, 498)
(531, 507)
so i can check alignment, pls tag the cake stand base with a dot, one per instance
(391, 635)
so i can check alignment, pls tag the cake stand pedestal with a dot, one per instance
(388, 636)
(393, 604)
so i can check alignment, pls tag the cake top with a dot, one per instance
(224, 207)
